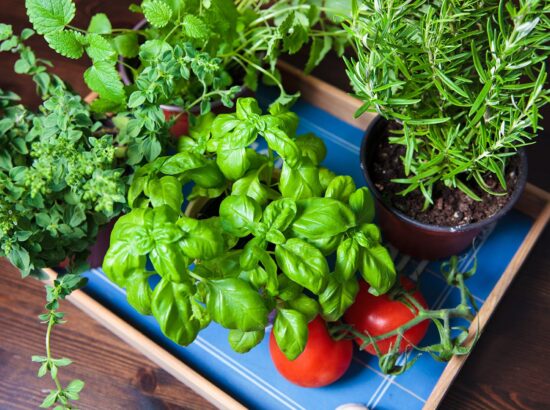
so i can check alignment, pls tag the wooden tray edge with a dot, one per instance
(150, 349)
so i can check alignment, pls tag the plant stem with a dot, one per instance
(51, 323)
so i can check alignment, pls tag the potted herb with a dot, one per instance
(458, 87)
(60, 178)
(189, 55)
(264, 246)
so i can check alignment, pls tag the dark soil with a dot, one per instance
(451, 207)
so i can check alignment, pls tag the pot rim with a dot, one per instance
(171, 108)
(522, 180)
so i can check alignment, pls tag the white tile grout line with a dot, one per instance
(228, 361)
(396, 384)
(468, 258)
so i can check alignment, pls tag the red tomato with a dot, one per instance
(322, 362)
(181, 126)
(377, 315)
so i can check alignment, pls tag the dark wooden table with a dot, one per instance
(507, 370)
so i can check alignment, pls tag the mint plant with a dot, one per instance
(189, 51)
(465, 80)
(266, 247)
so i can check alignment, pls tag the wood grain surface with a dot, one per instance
(508, 368)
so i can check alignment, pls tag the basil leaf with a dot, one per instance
(312, 147)
(325, 177)
(233, 163)
(279, 214)
(300, 182)
(139, 291)
(200, 240)
(181, 162)
(171, 307)
(362, 204)
(170, 262)
(338, 297)
(246, 107)
(243, 342)
(251, 186)
(322, 217)
(239, 214)
(376, 267)
(165, 191)
(225, 266)
(347, 255)
(279, 141)
(222, 125)
(341, 188)
(306, 306)
(328, 245)
(235, 305)
(251, 253)
(303, 263)
(207, 176)
(288, 290)
(291, 332)
(119, 262)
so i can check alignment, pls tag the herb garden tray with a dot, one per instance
(231, 380)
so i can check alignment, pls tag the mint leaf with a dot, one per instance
(157, 13)
(48, 16)
(103, 78)
(68, 43)
(99, 49)
(127, 45)
(100, 24)
(195, 27)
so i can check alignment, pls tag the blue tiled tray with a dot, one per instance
(252, 380)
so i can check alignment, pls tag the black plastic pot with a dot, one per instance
(420, 240)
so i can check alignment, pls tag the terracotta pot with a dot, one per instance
(181, 127)
(420, 240)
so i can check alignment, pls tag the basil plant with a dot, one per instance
(293, 241)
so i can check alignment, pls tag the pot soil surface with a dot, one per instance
(451, 207)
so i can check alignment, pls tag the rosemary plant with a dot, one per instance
(464, 78)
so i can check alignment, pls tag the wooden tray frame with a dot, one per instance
(534, 202)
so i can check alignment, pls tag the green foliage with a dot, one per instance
(263, 248)
(58, 177)
(465, 79)
(60, 396)
(192, 53)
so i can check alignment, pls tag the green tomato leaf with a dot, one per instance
(291, 332)
(48, 16)
(377, 268)
(68, 43)
(362, 204)
(138, 291)
(239, 214)
(171, 306)
(321, 218)
(303, 263)
(338, 297)
(341, 188)
(165, 191)
(243, 342)
(235, 305)
(157, 12)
